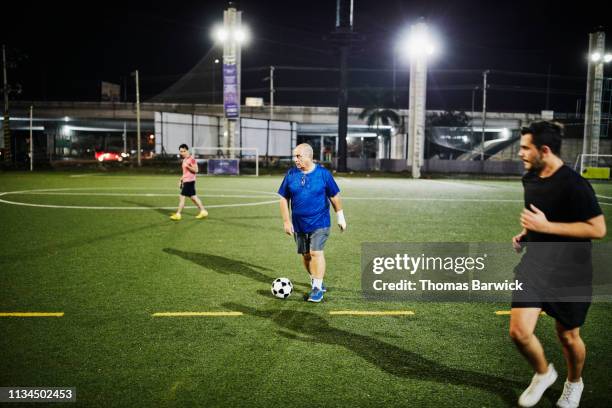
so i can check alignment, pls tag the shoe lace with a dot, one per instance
(567, 392)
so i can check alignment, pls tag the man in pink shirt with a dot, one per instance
(187, 184)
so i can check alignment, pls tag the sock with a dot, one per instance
(317, 283)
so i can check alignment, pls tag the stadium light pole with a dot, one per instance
(420, 46)
(595, 76)
(232, 36)
(214, 69)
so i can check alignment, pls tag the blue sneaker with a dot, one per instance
(315, 295)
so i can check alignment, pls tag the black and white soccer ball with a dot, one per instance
(282, 288)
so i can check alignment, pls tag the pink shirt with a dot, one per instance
(187, 175)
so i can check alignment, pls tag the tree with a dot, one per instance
(375, 114)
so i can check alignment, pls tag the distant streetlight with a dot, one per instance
(599, 57)
(240, 35)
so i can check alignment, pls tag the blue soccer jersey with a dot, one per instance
(309, 195)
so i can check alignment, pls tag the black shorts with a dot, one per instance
(188, 189)
(569, 314)
(563, 292)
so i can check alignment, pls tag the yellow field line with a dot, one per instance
(371, 313)
(507, 313)
(186, 314)
(30, 314)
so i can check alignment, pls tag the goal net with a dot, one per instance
(594, 166)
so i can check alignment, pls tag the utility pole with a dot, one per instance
(6, 127)
(343, 37)
(31, 139)
(271, 93)
(138, 155)
(472, 117)
(548, 87)
(484, 113)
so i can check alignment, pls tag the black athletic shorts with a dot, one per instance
(543, 294)
(188, 189)
(569, 314)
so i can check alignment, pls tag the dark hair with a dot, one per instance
(545, 133)
(184, 146)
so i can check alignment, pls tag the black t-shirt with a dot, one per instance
(564, 196)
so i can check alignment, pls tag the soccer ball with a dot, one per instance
(282, 288)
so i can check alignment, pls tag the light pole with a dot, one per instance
(6, 128)
(592, 115)
(472, 117)
(138, 155)
(214, 69)
(484, 113)
(420, 47)
(232, 35)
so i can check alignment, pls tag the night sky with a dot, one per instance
(63, 50)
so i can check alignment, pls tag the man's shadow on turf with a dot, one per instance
(312, 328)
(225, 266)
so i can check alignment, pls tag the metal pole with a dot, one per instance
(394, 77)
(124, 138)
(6, 99)
(271, 92)
(31, 139)
(343, 110)
(484, 113)
(548, 87)
(472, 119)
(138, 155)
(6, 126)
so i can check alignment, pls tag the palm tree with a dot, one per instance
(376, 116)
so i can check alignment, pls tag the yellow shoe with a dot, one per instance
(202, 214)
(175, 217)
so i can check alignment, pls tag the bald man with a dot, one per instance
(309, 188)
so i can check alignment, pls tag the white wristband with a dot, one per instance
(340, 217)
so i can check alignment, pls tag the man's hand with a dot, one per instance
(180, 183)
(288, 226)
(340, 220)
(516, 241)
(534, 220)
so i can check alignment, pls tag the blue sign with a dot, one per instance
(223, 166)
(231, 101)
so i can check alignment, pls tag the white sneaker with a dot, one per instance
(570, 397)
(539, 384)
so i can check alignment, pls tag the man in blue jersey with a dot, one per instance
(309, 188)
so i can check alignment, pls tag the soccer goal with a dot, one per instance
(594, 166)
(227, 160)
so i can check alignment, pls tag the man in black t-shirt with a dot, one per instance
(560, 217)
